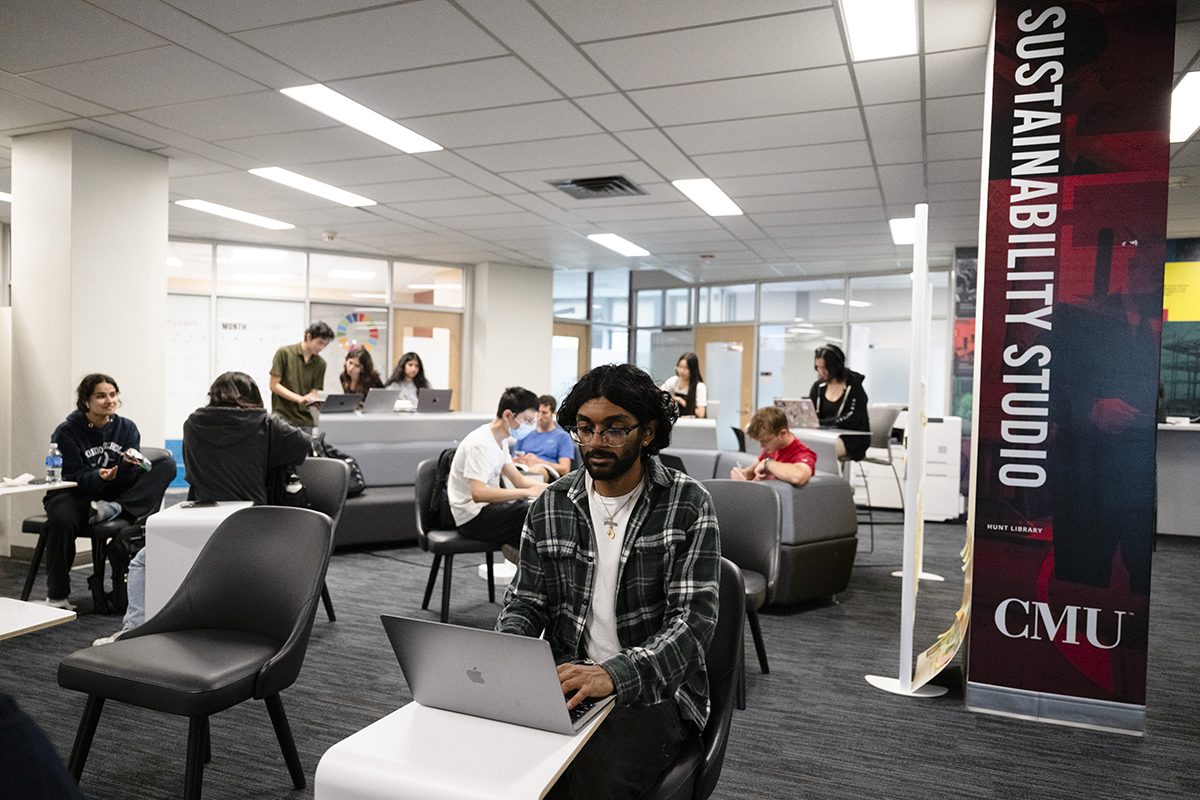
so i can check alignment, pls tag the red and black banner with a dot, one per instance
(1068, 349)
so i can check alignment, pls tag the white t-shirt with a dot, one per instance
(478, 458)
(600, 628)
(672, 386)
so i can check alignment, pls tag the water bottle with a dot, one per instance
(53, 464)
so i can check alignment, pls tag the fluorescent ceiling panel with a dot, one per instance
(880, 28)
(348, 112)
(233, 213)
(622, 246)
(1185, 108)
(904, 231)
(296, 181)
(708, 196)
(5, 197)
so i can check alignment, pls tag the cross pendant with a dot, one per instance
(612, 534)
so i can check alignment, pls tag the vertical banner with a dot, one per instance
(1070, 313)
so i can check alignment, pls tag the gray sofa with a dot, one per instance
(820, 527)
(386, 511)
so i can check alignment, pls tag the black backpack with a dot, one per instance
(324, 449)
(439, 501)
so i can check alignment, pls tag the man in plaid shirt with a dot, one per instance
(620, 566)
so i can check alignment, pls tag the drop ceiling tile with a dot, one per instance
(889, 80)
(307, 147)
(471, 223)
(240, 15)
(219, 187)
(552, 120)
(1187, 42)
(332, 217)
(48, 33)
(817, 127)
(166, 137)
(757, 96)
(902, 185)
(614, 112)
(955, 72)
(457, 207)
(956, 191)
(787, 159)
(387, 39)
(36, 92)
(633, 227)
(145, 78)
(950, 146)
(534, 180)
(182, 164)
(568, 153)
(461, 167)
(612, 18)
(950, 114)
(603, 215)
(17, 112)
(895, 132)
(810, 226)
(955, 171)
(488, 83)
(792, 183)
(401, 192)
(804, 202)
(823, 181)
(253, 114)
(955, 24)
(747, 47)
(660, 154)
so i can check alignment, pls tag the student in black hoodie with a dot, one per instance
(93, 441)
(840, 400)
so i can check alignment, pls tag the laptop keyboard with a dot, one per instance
(584, 707)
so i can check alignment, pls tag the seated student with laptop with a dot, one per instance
(783, 455)
(482, 508)
(548, 450)
(642, 637)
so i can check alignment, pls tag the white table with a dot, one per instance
(1178, 468)
(422, 753)
(822, 441)
(174, 538)
(35, 487)
(18, 617)
(695, 434)
(399, 426)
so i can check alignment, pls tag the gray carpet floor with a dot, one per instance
(813, 729)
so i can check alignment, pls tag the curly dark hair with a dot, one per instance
(83, 392)
(632, 389)
(234, 390)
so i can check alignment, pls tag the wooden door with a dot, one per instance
(581, 332)
(737, 334)
(436, 336)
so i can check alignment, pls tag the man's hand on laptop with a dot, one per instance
(586, 680)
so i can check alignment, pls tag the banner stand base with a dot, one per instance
(503, 570)
(924, 576)
(893, 685)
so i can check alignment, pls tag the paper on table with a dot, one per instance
(20, 480)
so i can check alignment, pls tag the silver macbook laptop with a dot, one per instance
(433, 400)
(340, 403)
(498, 676)
(799, 413)
(381, 401)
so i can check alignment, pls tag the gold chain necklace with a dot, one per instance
(610, 521)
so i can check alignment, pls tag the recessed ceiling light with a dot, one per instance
(1185, 108)
(288, 178)
(904, 231)
(344, 110)
(708, 196)
(233, 213)
(6, 197)
(351, 274)
(622, 246)
(173, 261)
(880, 28)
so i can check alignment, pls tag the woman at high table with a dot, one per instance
(687, 387)
(840, 401)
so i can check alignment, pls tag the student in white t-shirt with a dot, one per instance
(483, 509)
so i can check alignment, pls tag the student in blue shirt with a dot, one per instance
(548, 450)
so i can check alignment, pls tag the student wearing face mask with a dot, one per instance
(482, 508)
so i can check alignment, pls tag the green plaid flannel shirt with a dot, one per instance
(668, 582)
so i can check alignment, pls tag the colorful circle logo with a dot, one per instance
(357, 330)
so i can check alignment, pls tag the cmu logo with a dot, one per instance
(1038, 622)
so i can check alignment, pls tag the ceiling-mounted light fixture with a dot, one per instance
(880, 28)
(297, 181)
(622, 246)
(236, 214)
(357, 116)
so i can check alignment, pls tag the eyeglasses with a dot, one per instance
(613, 437)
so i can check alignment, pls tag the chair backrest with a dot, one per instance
(750, 519)
(672, 462)
(741, 438)
(426, 478)
(721, 662)
(326, 480)
(882, 418)
(260, 573)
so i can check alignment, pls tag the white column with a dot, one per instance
(512, 326)
(89, 289)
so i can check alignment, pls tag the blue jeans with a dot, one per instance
(135, 613)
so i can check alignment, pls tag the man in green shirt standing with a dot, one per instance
(297, 373)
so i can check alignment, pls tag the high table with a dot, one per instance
(399, 426)
(18, 617)
(822, 441)
(1178, 470)
(174, 538)
(35, 487)
(422, 753)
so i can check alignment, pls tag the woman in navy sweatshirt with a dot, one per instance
(93, 441)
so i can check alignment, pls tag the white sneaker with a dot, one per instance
(64, 603)
(112, 638)
(103, 510)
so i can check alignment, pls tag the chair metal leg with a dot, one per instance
(870, 508)
(38, 552)
(759, 646)
(193, 776)
(741, 678)
(446, 575)
(433, 572)
(491, 577)
(899, 488)
(283, 732)
(83, 737)
(207, 742)
(328, 602)
(96, 581)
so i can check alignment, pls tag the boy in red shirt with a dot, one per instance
(783, 455)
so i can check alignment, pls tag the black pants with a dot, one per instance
(31, 768)
(67, 513)
(497, 522)
(625, 755)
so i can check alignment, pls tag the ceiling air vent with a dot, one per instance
(591, 188)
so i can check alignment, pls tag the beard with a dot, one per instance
(617, 463)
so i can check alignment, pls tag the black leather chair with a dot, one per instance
(236, 628)
(444, 542)
(326, 480)
(697, 768)
(749, 514)
(101, 534)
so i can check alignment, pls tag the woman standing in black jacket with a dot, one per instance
(840, 400)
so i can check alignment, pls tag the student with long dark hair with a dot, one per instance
(408, 377)
(840, 400)
(687, 387)
(359, 375)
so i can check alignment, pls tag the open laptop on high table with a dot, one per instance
(381, 401)
(433, 400)
(341, 403)
(500, 676)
